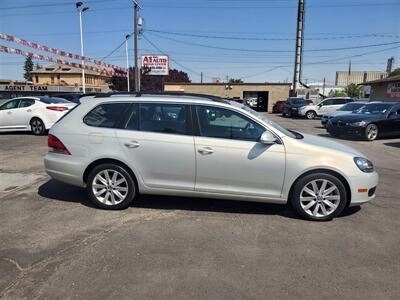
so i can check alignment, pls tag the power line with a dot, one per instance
(276, 50)
(113, 51)
(270, 39)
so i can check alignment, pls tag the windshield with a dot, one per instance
(351, 106)
(374, 109)
(264, 119)
(53, 100)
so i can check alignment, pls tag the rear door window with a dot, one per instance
(106, 115)
(26, 103)
(163, 118)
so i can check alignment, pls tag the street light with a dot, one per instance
(80, 10)
(127, 59)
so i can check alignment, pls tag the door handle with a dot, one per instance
(132, 144)
(206, 150)
(29, 110)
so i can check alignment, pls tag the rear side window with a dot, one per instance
(53, 100)
(163, 118)
(339, 101)
(106, 115)
(26, 103)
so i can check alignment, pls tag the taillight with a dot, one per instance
(57, 108)
(56, 146)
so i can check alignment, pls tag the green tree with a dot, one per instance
(233, 80)
(353, 90)
(337, 93)
(28, 68)
(395, 72)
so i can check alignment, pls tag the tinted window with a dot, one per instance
(53, 100)
(227, 124)
(297, 101)
(10, 105)
(106, 115)
(132, 121)
(164, 118)
(327, 102)
(339, 101)
(26, 103)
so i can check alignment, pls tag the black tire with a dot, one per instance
(369, 136)
(123, 173)
(311, 115)
(37, 126)
(284, 114)
(303, 182)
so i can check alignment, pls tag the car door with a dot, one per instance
(157, 141)
(23, 114)
(391, 125)
(229, 157)
(7, 112)
(337, 103)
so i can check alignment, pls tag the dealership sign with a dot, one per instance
(393, 90)
(155, 64)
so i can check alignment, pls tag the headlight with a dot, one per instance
(358, 124)
(364, 164)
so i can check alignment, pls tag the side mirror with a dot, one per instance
(267, 138)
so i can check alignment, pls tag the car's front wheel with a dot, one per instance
(111, 187)
(318, 197)
(371, 132)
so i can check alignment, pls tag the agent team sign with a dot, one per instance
(156, 64)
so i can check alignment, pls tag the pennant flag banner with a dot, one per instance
(59, 61)
(11, 38)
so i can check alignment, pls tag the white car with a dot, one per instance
(201, 146)
(36, 114)
(323, 107)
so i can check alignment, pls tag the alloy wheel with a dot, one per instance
(110, 187)
(310, 115)
(372, 132)
(37, 126)
(320, 198)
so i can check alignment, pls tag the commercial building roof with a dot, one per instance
(64, 69)
(384, 80)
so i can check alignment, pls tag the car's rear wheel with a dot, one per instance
(371, 132)
(111, 187)
(37, 126)
(319, 197)
(311, 115)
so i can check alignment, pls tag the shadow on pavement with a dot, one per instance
(396, 145)
(59, 191)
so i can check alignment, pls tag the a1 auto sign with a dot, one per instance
(156, 64)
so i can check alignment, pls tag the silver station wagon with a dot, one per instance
(119, 146)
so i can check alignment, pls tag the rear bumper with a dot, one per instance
(64, 168)
(363, 188)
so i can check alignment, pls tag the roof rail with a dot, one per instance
(138, 94)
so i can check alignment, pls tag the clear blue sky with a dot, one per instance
(329, 24)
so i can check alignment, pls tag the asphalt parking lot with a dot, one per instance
(54, 244)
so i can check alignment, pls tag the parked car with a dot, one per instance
(36, 114)
(373, 120)
(198, 146)
(344, 110)
(278, 107)
(292, 106)
(323, 107)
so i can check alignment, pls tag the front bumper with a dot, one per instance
(338, 129)
(363, 188)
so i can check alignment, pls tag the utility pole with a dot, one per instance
(299, 46)
(201, 77)
(80, 11)
(136, 8)
(127, 61)
(348, 75)
(323, 87)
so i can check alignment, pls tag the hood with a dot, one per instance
(352, 118)
(329, 144)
